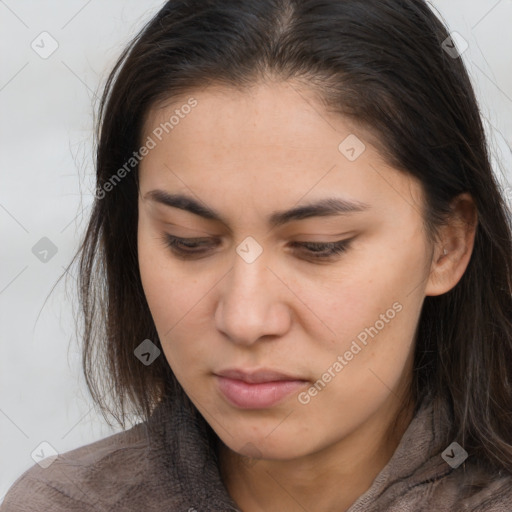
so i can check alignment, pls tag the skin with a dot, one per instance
(246, 154)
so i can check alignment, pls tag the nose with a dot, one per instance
(253, 302)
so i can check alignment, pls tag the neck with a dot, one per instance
(325, 481)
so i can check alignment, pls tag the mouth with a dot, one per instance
(258, 389)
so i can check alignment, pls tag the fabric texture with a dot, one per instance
(167, 464)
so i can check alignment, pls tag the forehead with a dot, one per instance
(272, 143)
(277, 116)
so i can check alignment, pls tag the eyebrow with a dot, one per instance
(324, 207)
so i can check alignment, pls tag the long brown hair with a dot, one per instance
(382, 63)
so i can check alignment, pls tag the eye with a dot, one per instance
(323, 250)
(187, 247)
(194, 247)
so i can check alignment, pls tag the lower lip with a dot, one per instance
(257, 396)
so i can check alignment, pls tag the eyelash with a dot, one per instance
(320, 250)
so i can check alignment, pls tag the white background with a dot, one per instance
(46, 165)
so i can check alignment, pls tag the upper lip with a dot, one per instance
(256, 376)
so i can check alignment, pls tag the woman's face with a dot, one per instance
(252, 296)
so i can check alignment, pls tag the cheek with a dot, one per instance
(174, 299)
(159, 281)
(161, 278)
(368, 360)
(152, 268)
(372, 313)
(351, 298)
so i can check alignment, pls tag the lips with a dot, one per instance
(256, 376)
(258, 389)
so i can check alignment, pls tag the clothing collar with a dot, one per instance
(183, 461)
(416, 460)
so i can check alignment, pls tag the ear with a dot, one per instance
(454, 247)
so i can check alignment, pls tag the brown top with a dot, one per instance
(166, 464)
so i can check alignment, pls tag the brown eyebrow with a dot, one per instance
(322, 208)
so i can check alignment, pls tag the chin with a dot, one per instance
(285, 446)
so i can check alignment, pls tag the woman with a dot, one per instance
(296, 272)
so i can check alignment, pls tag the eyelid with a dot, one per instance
(199, 239)
(201, 232)
(329, 250)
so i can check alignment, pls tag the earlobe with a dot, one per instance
(453, 250)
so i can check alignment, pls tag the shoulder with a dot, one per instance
(474, 490)
(486, 491)
(86, 477)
